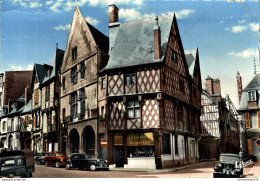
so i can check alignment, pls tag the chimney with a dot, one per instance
(213, 88)
(209, 85)
(239, 85)
(113, 13)
(157, 40)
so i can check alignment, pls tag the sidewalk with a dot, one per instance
(158, 170)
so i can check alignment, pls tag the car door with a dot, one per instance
(81, 161)
(74, 160)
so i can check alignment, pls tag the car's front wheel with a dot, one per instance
(68, 166)
(57, 164)
(92, 167)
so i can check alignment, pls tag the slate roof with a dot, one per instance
(40, 71)
(28, 107)
(254, 84)
(190, 59)
(134, 42)
(55, 65)
(101, 40)
(17, 108)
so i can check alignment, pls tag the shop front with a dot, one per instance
(134, 150)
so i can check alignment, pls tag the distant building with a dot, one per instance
(220, 127)
(149, 95)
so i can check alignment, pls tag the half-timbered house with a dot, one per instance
(149, 95)
(85, 55)
(220, 128)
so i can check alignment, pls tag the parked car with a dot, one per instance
(229, 165)
(55, 158)
(16, 163)
(38, 158)
(84, 161)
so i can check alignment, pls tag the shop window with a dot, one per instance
(130, 79)
(166, 144)
(251, 95)
(74, 75)
(133, 109)
(140, 151)
(82, 70)
(73, 104)
(176, 145)
(74, 53)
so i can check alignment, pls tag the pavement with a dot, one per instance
(121, 169)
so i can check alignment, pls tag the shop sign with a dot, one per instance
(140, 139)
(103, 143)
(118, 139)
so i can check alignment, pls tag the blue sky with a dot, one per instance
(226, 33)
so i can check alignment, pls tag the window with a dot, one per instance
(133, 110)
(82, 70)
(74, 75)
(26, 121)
(4, 126)
(82, 101)
(130, 79)
(74, 53)
(181, 84)
(166, 144)
(47, 93)
(176, 145)
(35, 80)
(36, 97)
(254, 120)
(63, 113)
(64, 83)
(103, 83)
(251, 95)
(74, 105)
(102, 112)
(12, 125)
(49, 118)
(174, 56)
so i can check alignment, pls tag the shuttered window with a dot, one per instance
(250, 148)
(36, 97)
(26, 121)
(258, 118)
(247, 119)
(34, 121)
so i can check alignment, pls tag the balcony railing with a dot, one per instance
(51, 128)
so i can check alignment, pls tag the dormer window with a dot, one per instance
(130, 79)
(174, 56)
(74, 53)
(251, 95)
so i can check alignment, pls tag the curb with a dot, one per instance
(156, 170)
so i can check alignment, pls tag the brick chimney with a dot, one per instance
(213, 88)
(239, 86)
(113, 13)
(157, 40)
(26, 94)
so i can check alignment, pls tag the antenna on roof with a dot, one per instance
(254, 67)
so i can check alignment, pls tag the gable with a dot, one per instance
(81, 37)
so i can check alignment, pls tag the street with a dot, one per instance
(204, 170)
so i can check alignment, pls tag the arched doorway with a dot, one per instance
(89, 140)
(74, 141)
(10, 142)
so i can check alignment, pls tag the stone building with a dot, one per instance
(149, 95)
(220, 127)
(85, 55)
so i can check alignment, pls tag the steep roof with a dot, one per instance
(40, 72)
(28, 107)
(191, 59)
(254, 84)
(134, 42)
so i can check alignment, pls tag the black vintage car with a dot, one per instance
(16, 163)
(229, 166)
(84, 161)
(38, 158)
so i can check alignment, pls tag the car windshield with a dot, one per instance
(228, 158)
(91, 157)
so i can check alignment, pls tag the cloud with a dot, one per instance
(30, 4)
(254, 26)
(129, 14)
(238, 29)
(19, 68)
(55, 7)
(184, 13)
(92, 21)
(227, 29)
(245, 53)
(242, 21)
(60, 27)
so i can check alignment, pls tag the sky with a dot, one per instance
(225, 32)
